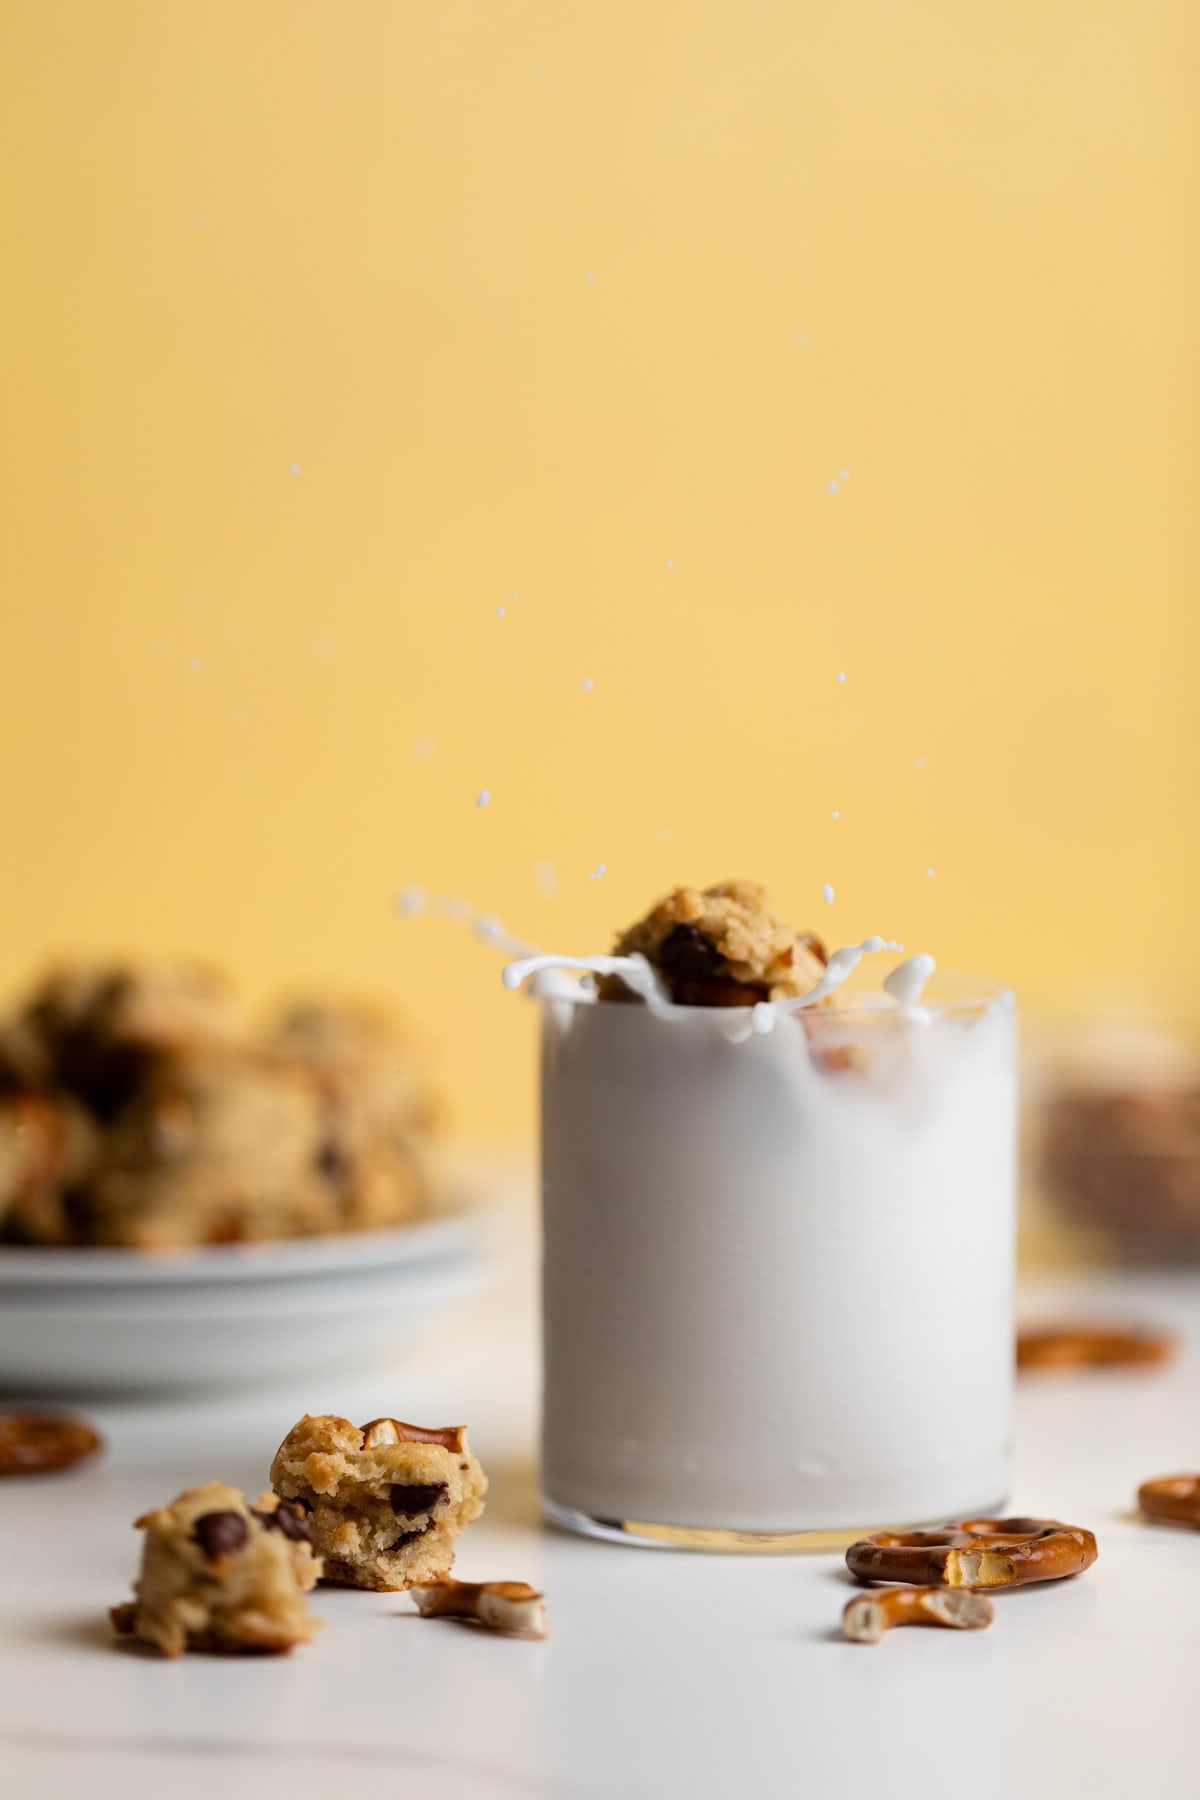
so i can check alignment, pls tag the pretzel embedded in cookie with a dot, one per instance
(867, 1618)
(1092, 1346)
(975, 1553)
(512, 1607)
(1174, 1497)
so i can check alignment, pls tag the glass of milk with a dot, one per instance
(778, 1268)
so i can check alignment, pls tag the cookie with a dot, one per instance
(218, 1574)
(49, 1144)
(377, 1109)
(34, 1443)
(96, 1030)
(721, 946)
(385, 1501)
(218, 1147)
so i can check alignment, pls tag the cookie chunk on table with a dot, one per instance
(385, 1501)
(219, 1574)
(721, 946)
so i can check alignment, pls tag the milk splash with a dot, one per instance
(413, 901)
(904, 985)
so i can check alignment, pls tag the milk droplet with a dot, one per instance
(670, 563)
(841, 675)
(294, 468)
(827, 893)
(483, 797)
(930, 871)
(196, 664)
(500, 612)
(591, 277)
(836, 814)
(410, 901)
(835, 487)
(845, 474)
(588, 684)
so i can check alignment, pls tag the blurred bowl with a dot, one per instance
(85, 1321)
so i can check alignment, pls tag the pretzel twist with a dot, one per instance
(1175, 1497)
(975, 1553)
(867, 1618)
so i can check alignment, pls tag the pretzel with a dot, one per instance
(395, 1431)
(866, 1619)
(1175, 1497)
(975, 1553)
(1092, 1346)
(32, 1443)
(509, 1606)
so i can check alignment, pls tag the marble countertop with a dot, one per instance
(666, 1673)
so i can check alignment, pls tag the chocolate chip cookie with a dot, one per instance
(385, 1501)
(219, 1574)
(377, 1111)
(721, 946)
(219, 1146)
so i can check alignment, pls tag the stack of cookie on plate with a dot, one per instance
(134, 1111)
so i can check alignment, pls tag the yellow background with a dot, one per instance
(541, 300)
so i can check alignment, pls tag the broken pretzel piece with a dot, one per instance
(867, 1618)
(512, 1607)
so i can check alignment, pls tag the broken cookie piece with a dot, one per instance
(511, 1607)
(721, 946)
(219, 1574)
(385, 1501)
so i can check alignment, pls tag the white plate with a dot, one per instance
(284, 1259)
(85, 1321)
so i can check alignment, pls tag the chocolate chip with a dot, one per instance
(687, 955)
(219, 1532)
(407, 1502)
(335, 1165)
(410, 1537)
(289, 1519)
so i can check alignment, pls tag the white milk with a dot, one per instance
(778, 1292)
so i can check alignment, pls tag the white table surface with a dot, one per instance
(666, 1673)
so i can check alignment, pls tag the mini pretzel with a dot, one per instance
(867, 1618)
(509, 1606)
(1092, 1346)
(1174, 1497)
(975, 1553)
(395, 1431)
(34, 1443)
